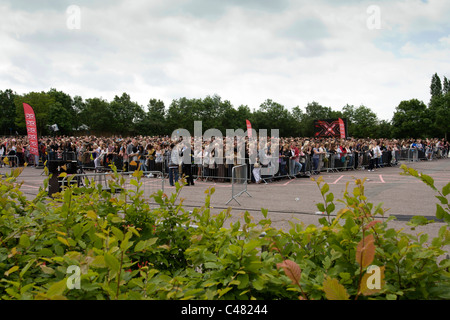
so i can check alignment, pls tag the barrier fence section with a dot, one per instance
(12, 160)
(211, 169)
(150, 183)
(238, 182)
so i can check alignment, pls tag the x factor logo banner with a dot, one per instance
(330, 128)
(30, 121)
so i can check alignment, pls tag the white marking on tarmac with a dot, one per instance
(336, 181)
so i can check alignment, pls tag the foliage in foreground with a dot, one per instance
(87, 243)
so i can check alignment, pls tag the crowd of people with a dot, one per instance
(297, 156)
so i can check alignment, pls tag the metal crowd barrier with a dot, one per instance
(238, 182)
(150, 183)
(329, 162)
(13, 160)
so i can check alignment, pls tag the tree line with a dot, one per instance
(122, 116)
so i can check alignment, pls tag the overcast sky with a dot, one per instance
(372, 53)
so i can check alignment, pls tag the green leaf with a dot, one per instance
(57, 288)
(63, 240)
(98, 262)
(244, 280)
(13, 293)
(428, 180)
(440, 212)
(11, 270)
(24, 240)
(325, 188)
(264, 212)
(117, 233)
(223, 291)
(446, 189)
(112, 263)
(321, 207)
(330, 208)
(62, 175)
(330, 197)
(418, 221)
(47, 270)
(144, 244)
(25, 269)
(334, 290)
(259, 283)
(443, 200)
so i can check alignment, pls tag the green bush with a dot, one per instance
(87, 243)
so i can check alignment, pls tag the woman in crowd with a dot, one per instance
(371, 156)
(142, 157)
(159, 158)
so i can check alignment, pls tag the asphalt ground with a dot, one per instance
(295, 199)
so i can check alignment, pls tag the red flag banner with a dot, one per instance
(342, 128)
(249, 128)
(30, 121)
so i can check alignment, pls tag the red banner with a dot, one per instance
(342, 128)
(30, 121)
(249, 128)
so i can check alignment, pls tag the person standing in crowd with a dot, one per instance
(151, 153)
(2, 153)
(187, 164)
(294, 161)
(414, 151)
(371, 157)
(174, 162)
(100, 151)
(283, 156)
(133, 154)
(11, 152)
(198, 156)
(142, 157)
(376, 154)
(159, 158)
(315, 158)
(256, 172)
(124, 156)
(332, 156)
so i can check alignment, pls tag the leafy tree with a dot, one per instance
(62, 117)
(242, 114)
(41, 103)
(411, 119)
(181, 115)
(383, 129)
(272, 115)
(7, 112)
(446, 88)
(62, 112)
(439, 110)
(365, 122)
(125, 114)
(436, 86)
(97, 115)
(154, 120)
(211, 111)
(78, 106)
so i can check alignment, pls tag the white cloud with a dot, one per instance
(292, 52)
